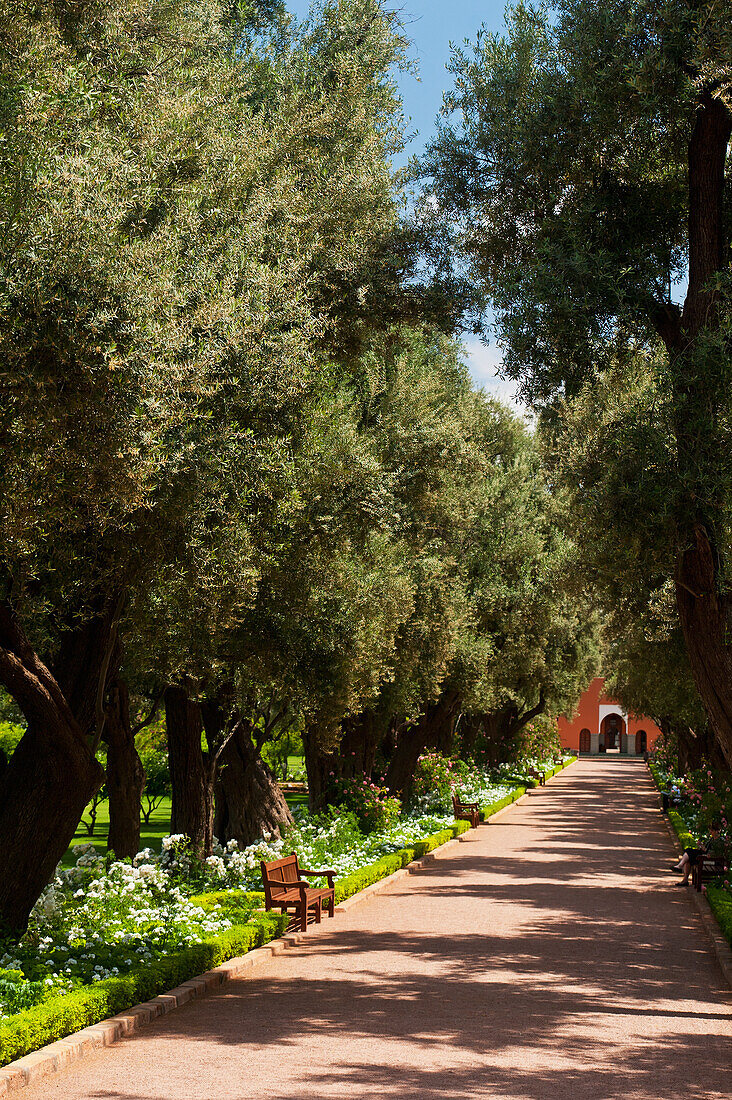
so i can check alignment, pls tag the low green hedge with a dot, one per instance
(679, 827)
(720, 902)
(366, 876)
(61, 1016)
(494, 807)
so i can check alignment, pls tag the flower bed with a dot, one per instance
(105, 938)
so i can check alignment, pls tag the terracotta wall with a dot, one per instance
(587, 716)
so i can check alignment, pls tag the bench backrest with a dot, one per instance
(458, 806)
(279, 876)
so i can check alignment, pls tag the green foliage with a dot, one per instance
(17, 994)
(278, 752)
(570, 174)
(539, 740)
(711, 792)
(439, 776)
(10, 735)
(237, 905)
(372, 806)
(720, 901)
(686, 839)
(157, 779)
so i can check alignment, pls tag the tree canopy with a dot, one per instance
(585, 182)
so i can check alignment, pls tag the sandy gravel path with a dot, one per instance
(550, 955)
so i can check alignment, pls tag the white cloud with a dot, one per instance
(484, 363)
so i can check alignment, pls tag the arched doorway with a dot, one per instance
(612, 729)
(585, 740)
(641, 742)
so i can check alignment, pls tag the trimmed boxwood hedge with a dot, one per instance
(60, 1016)
(720, 901)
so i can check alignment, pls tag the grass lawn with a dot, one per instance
(151, 836)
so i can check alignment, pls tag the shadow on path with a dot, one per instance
(548, 956)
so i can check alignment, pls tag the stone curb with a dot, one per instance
(57, 1056)
(718, 943)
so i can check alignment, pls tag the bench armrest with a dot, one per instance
(330, 875)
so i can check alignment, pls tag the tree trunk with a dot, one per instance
(705, 620)
(192, 771)
(700, 363)
(249, 801)
(496, 730)
(50, 778)
(420, 736)
(125, 776)
(318, 766)
(354, 757)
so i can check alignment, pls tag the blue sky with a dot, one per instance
(432, 25)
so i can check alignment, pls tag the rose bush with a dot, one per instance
(373, 807)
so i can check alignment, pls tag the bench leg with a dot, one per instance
(318, 910)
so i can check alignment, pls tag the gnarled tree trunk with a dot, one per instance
(52, 774)
(415, 739)
(125, 775)
(192, 771)
(353, 758)
(249, 801)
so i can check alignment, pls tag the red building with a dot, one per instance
(600, 724)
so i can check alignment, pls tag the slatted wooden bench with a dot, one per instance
(285, 889)
(539, 776)
(708, 868)
(466, 811)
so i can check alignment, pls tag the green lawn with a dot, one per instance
(151, 836)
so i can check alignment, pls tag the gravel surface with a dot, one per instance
(552, 954)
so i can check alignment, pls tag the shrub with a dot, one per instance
(710, 792)
(59, 1016)
(538, 740)
(373, 807)
(10, 735)
(436, 779)
(720, 901)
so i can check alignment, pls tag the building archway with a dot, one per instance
(612, 729)
(585, 740)
(641, 742)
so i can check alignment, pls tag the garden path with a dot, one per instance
(549, 955)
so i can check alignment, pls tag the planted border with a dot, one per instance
(720, 900)
(61, 1016)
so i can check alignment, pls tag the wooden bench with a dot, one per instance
(539, 776)
(285, 889)
(466, 811)
(708, 868)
